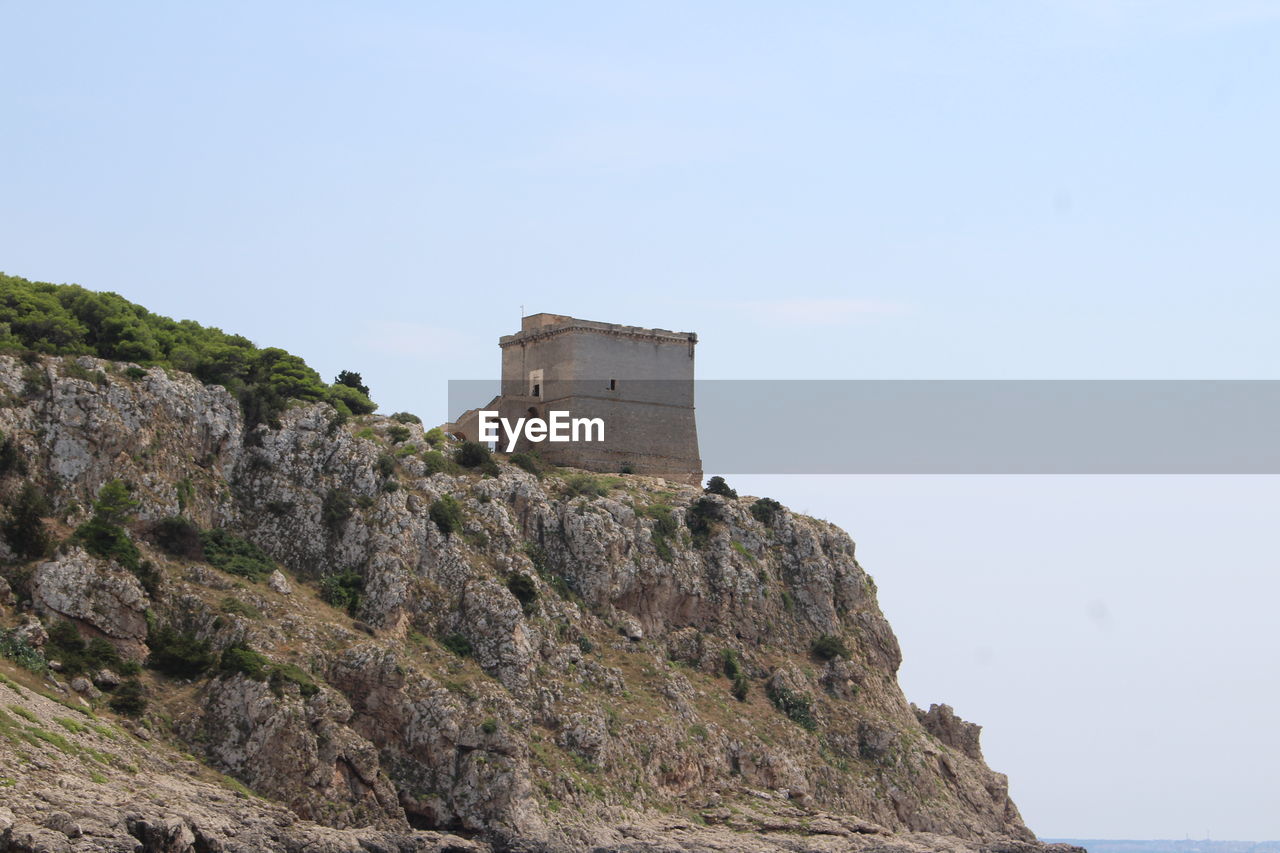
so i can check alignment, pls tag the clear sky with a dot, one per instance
(1030, 189)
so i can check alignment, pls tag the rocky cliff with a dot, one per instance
(518, 659)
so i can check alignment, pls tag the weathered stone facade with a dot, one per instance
(638, 381)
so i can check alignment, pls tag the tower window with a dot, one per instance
(537, 391)
(613, 385)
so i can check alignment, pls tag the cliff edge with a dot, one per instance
(330, 634)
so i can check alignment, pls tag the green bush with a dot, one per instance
(234, 606)
(741, 687)
(385, 465)
(242, 659)
(434, 436)
(343, 590)
(588, 485)
(732, 666)
(398, 434)
(406, 418)
(489, 726)
(109, 541)
(287, 673)
(335, 511)
(664, 529)
(700, 518)
(457, 643)
(524, 589)
(178, 536)
(129, 699)
(797, 706)
(179, 654)
(227, 551)
(828, 647)
(472, 454)
(23, 526)
(446, 512)
(436, 462)
(530, 462)
(766, 510)
(717, 486)
(135, 372)
(75, 655)
(18, 650)
(12, 460)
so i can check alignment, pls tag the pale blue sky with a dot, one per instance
(1040, 189)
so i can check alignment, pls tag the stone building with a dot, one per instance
(639, 382)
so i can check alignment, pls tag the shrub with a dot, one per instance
(766, 510)
(109, 541)
(472, 454)
(344, 590)
(585, 645)
(489, 726)
(11, 459)
(129, 699)
(224, 550)
(232, 605)
(242, 659)
(135, 372)
(829, 646)
(398, 433)
(457, 643)
(434, 436)
(405, 450)
(717, 486)
(406, 418)
(179, 654)
(446, 512)
(351, 379)
(75, 655)
(335, 511)
(178, 536)
(385, 465)
(24, 528)
(699, 518)
(436, 462)
(664, 528)
(349, 400)
(588, 485)
(797, 706)
(287, 673)
(732, 666)
(524, 589)
(530, 462)
(741, 687)
(18, 650)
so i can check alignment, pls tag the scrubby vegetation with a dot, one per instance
(227, 551)
(700, 518)
(446, 512)
(717, 486)
(104, 535)
(765, 510)
(343, 590)
(178, 654)
(797, 706)
(60, 319)
(178, 536)
(664, 529)
(129, 699)
(23, 526)
(75, 655)
(829, 647)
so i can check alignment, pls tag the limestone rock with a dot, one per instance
(279, 583)
(98, 594)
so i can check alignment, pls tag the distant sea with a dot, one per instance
(1105, 845)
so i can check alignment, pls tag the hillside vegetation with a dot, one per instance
(66, 319)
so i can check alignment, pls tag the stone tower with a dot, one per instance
(638, 381)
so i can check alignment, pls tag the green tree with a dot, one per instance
(24, 528)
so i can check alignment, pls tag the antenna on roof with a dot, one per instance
(521, 313)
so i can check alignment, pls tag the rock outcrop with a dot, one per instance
(579, 663)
